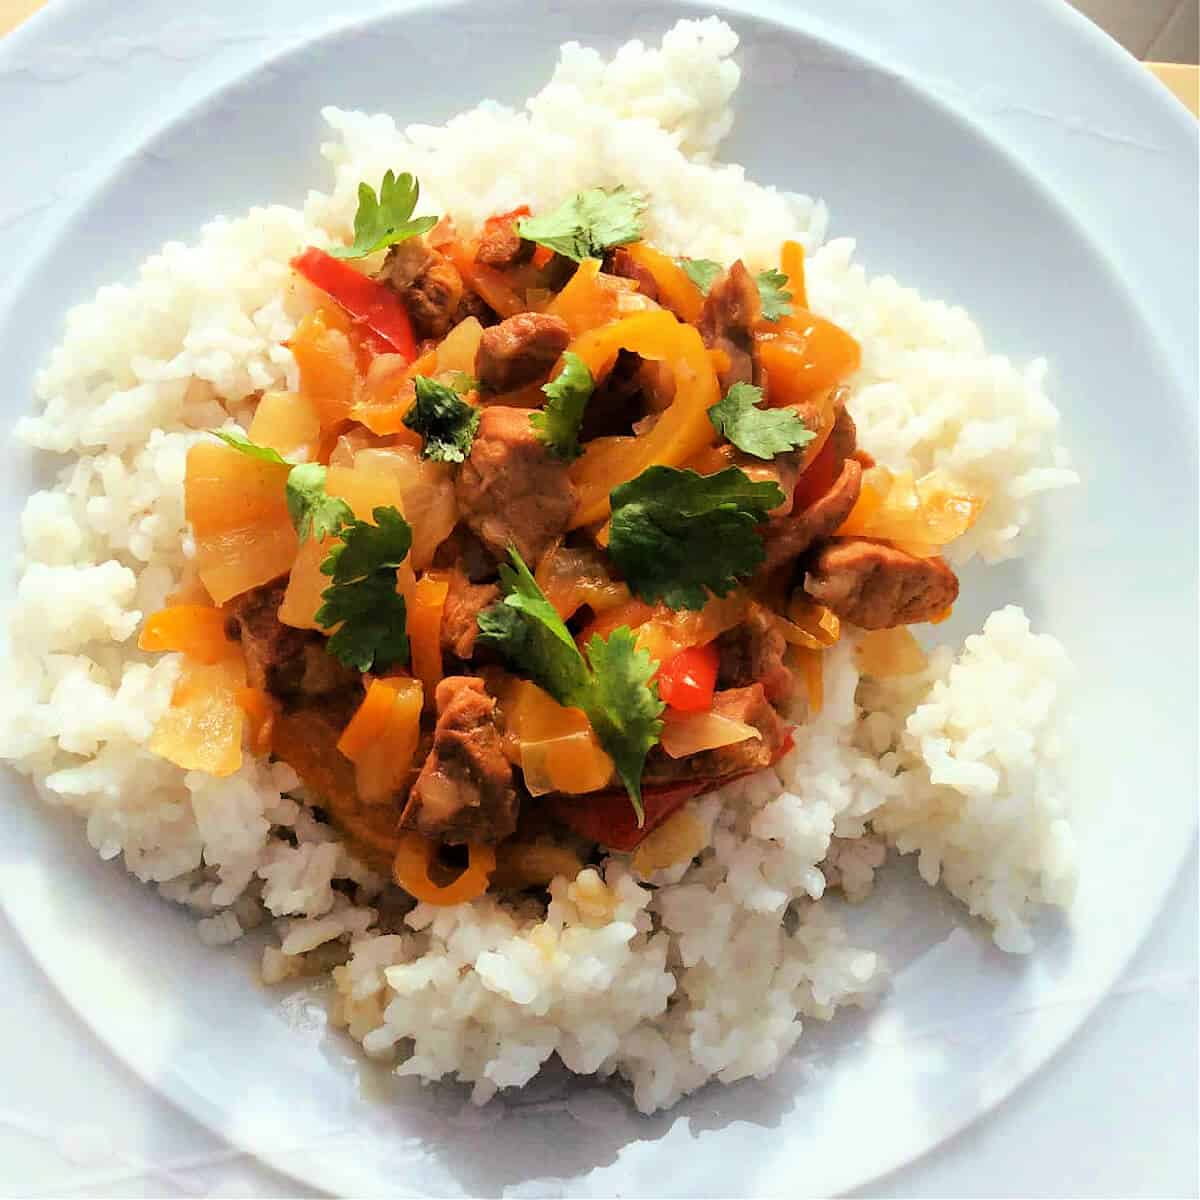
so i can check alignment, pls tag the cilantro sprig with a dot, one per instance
(614, 685)
(567, 395)
(447, 422)
(772, 291)
(772, 285)
(702, 272)
(314, 512)
(677, 535)
(362, 599)
(385, 219)
(762, 432)
(588, 223)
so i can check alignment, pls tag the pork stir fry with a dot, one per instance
(553, 535)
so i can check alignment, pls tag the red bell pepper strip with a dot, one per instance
(608, 817)
(819, 476)
(370, 303)
(687, 681)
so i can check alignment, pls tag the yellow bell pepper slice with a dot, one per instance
(681, 432)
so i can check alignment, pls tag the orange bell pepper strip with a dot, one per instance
(681, 432)
(585, 302)
(370, 720)
(792, 264)
(415, 860)
(426, 606)
(196, 630)
(804, 354)
(261, 712)
(328, 365)
(675, 290)
(382, 737)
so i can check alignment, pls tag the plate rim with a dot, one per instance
(107, 166)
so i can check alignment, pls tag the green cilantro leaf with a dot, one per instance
(614, 686)
(567, 395)
(384, 220)
(314, 512)
(588, 223)
(366, 549)
(774, 295)
(701, 271)
(362, 598)
(675, 533)
(373, 621)
(237, 440)
(531, 634)
(446, 421)
(762, 432)
(624, 708)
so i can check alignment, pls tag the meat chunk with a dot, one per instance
(428, 283)
(621, 263)
(463, 552)
(519, 350)
(464, 602)
(474, 305)
(876, 586)
(791, 536)
(731, 310)
(511, 490)
(747, 704)
(753, 652)
(289, 664)
(500, 245)
(843, 437)
(465, 790)
(783, 471)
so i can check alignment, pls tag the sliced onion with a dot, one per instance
(689, 733)
(574, 763)
(457, 352)
(920, 515)
(884, 653)
(809, 625)
(348, 445)
(559, 749)
(571, 578)
(428, 491)
(385, 370)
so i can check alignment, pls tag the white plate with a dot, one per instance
(920, 132)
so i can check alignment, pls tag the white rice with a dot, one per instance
(709, 973)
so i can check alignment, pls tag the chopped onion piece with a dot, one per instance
(920, 515)
(427, 489)
(457, 351)
(690, 733)
(559, 749)
(883, 653)
(808, 625)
